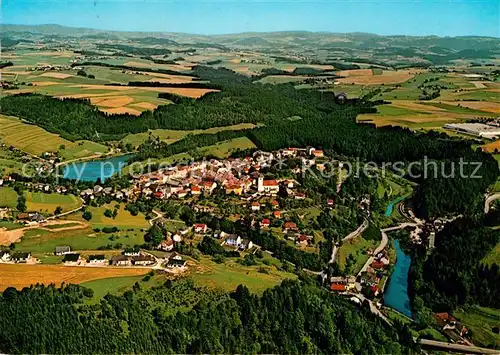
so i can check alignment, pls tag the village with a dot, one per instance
(245, 185)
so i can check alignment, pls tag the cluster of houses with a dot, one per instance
(381, 261)
(238, 176)
(98, 190)
(30, 218)
(452, 328)
(342, 283)
(16, 257)
(129, 257)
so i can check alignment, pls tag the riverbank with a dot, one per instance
(396, 293)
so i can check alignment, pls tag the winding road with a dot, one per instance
(350, 236)
(489, 200)
(456, 347)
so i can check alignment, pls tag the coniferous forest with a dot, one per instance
(291, 318)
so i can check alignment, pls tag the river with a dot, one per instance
(396, 292)
(91, 170)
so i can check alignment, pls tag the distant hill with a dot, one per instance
(289, 39)
(252, 41)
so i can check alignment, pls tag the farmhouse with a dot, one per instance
(143, 260)
(62, 250)
(71, 259)
(121, 260)
(132, 252)
(21, 257)
(97, 260)
(175, 261)
(4, 256)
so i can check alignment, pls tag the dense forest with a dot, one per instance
(177, 317)
(453, 275)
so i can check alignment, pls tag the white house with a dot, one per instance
(234, 241)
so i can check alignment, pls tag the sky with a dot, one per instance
(389, 17)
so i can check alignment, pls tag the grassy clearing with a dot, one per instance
(388, 110)
(8, 197)
(171, 136)
(47, 203)
(44, 241)
(229, 275)
(123, 220)
(356, 247)
(493, 256)
(9, 225)
(481, 321)
(118, 285)
(224, 149)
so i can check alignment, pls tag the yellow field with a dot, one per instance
(490, 147)
(112, 101)
(493, 107)
(35, 140)
(366, 77)
(20, 276)
(56, 75)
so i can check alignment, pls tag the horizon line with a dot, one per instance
(245, 32)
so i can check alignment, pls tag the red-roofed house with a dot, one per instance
(330, 202)
(166, 245)
(303, 240)
(255, 206)
(377, 265)
(265, 223)
(318, 153)
(159, 195)
(289, 226)
(275, 204)
(268, 186)
(200, 228)
(209, 186)
(195, 190)
(277, 214)
(337, 287)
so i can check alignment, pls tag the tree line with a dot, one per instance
(178, 317)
